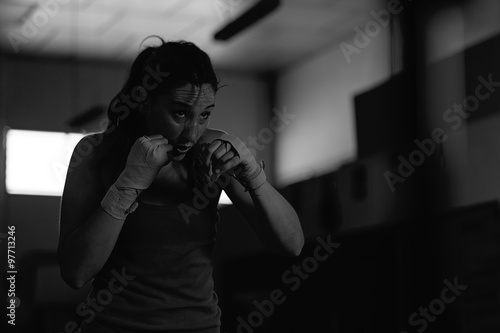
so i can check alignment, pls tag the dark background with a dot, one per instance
(397, 248)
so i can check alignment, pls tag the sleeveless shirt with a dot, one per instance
(158, 277)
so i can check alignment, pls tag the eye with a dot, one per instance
(205, 115)
(180, 114)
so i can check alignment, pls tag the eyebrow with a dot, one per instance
(179, 103)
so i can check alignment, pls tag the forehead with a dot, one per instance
(192, 94)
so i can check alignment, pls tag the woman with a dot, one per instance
(139, 207)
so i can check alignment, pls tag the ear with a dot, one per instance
(140, 95)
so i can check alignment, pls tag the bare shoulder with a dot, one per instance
(86, 148)
(83, 172)
(83, 188)
(88, 156)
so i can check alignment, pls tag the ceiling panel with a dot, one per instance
(114, 29)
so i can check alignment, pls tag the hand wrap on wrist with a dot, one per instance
(144, 161)
(255, 180)
(119, 202)
(250, 174)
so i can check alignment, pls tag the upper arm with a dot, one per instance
(83, 192)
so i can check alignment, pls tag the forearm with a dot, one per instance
(272, 217)
(277, 221)
(83, 253)
(86, 243)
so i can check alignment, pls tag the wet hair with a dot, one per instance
(184, 62)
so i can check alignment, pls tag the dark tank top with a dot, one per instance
(159, 276)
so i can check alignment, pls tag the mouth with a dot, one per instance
(182, 149)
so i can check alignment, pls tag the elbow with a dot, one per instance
(75, 281)
(294, 247)
(72, 278)
(70, 275)
(287, 249)
(290, 251)
(298, 243)
(297, 247)
(295, 243)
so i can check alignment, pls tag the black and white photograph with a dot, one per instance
(250, 166)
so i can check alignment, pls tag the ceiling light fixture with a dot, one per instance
(255, 13)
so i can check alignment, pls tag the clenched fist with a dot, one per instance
(229, 153)
(145, 159)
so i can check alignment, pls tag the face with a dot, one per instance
(181, 116)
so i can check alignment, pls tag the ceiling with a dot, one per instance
(114, 29)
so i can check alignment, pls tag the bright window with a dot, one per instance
(37, 162)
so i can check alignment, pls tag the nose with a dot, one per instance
(191, 131)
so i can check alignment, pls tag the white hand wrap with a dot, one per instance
(119, 203)
(252, 183)
(142, 164)
(250, 174)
